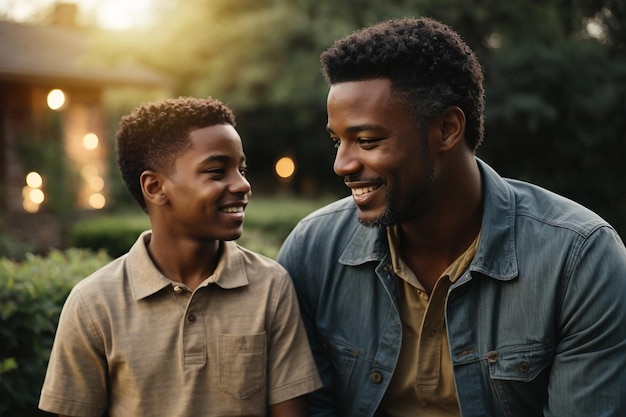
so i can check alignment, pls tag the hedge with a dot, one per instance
(32, 293)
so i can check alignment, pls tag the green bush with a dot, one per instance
(11, 248)
(32, 293)
(114, 234)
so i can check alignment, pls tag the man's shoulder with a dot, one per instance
(540, 204)
(530, 203)
(334, 212)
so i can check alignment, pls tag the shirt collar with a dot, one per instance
(145, 278)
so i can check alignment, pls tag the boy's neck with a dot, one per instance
(189, 262)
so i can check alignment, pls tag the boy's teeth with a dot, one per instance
(233, 209)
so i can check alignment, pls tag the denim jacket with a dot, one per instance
(536, 325)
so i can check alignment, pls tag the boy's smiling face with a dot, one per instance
(207, 191)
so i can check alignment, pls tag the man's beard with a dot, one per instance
(395, 213)
(388, 218)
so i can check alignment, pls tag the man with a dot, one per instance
(440, 288)
(187, 323)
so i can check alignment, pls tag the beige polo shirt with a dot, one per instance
(133, 343)
(423, 381)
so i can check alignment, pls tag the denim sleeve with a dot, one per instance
(588, 376)
(292, 256)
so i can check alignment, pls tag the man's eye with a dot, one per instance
(367, 142)
(336, 142)
(243, 171)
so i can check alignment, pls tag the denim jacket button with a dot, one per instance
(376, 377)
(524, 367)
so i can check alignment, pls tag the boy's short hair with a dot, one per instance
(429, 65)
(153, 135)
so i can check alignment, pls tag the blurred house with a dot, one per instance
(51, 118)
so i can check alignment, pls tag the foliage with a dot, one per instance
(555, 90)
(32, 293)
(114, 234)
(43, 151)
(568, 119)
(12, 249)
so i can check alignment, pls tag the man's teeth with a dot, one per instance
(361, 191)
(233, 209)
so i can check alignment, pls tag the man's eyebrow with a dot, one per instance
(358, 128)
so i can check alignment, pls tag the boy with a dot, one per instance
(187, 323)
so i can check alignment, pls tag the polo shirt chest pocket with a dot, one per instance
(242, 363)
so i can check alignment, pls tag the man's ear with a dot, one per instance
(451, 128)
(152, 188)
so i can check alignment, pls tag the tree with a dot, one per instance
(555, 93)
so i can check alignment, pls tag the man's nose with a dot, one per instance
(346, 161)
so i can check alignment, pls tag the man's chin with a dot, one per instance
(384, 220)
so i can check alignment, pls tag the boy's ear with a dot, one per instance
(451, 128)
(152, 188)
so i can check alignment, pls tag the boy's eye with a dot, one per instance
(215, 172)
(243, 171)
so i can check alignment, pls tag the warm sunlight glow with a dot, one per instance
(285, 167)
(90, 141)
(34, 180)
(122, 14)
(108, 14)
(56, 99)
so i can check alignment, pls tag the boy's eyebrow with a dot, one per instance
(221, 158)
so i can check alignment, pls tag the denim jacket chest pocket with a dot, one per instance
(520, 373)
(519, 363)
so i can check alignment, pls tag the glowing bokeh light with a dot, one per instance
(96, 183)
(97, 201)
(30, 207)
(56, 99)
(285, 167)
(90, 141)
(36, 196)
(34, 180)
(88, 171)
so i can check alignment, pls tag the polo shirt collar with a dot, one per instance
(145, 279)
